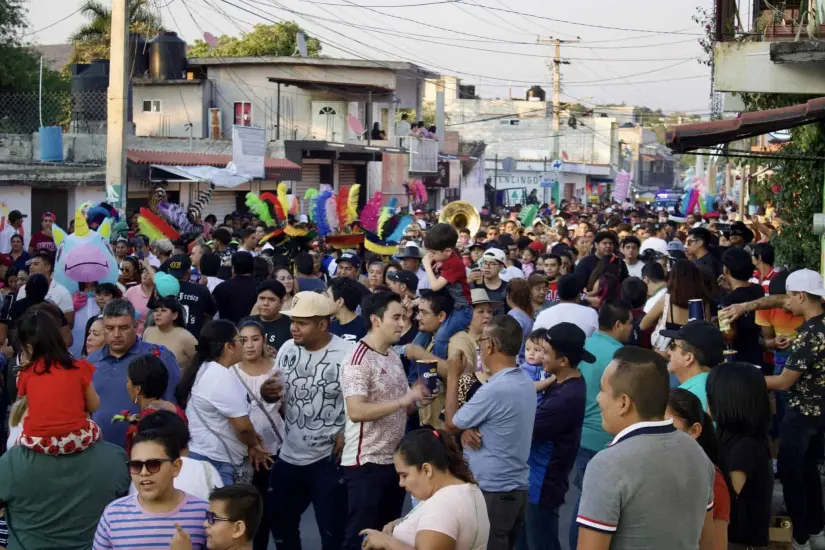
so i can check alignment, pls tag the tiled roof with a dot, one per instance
(171, 158)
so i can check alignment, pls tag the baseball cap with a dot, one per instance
(15, 215)
(166, 285)
(482, 246)
(703, 336)
(350, 258)
(569, 338)
(494, 254)
(739, 229)
(406, 278)
(805, 280)
(537, 247)
(309, 304)
(676, 249)
(48, 216)
(178, 266)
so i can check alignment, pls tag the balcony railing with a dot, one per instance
(761, 20)
(423, 153)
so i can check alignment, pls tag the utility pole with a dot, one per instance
(117, 97)
(555, 67)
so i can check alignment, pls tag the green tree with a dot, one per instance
(19, 64)
(262, 41)
(92, 40)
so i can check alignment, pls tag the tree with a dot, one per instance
(262, 41)
(92, 40)
(19, 64)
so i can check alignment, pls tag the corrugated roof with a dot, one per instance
(171, 158)
(688, 137)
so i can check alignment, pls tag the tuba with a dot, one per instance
(461, 215)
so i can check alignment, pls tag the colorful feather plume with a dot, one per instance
(402, 226)
(310, 193)
(195, 210)
(528, 214)
(418, 191)
(283, 191)
(174, 214)
(260, 209)
(275, 204)
(342, 206)
(320, 213)
(370, 213)
(352, 203)
(332, 213)
(293, 204)
(154, 227)
(383, 217)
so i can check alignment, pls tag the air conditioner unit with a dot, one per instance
(215, 124)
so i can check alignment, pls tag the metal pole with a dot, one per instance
(278, 114)
(40, 95)
(495, 184)
(116, 107)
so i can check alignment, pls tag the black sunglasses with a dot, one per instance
(211, 518)
(152, 465)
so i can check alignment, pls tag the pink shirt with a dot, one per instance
(138, 299)
(458, 511)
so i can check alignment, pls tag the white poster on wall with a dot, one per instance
(249, 150)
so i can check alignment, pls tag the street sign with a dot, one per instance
(547, 182)
(557, 166)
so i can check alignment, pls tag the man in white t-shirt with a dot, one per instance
(378, 401)
(43, 263)
(569, 309)
(307, 470)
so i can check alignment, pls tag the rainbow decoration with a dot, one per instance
(154, 227)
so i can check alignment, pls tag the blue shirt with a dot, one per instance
(536, 374)
(503, 410)
(696, 386)
(526, 323)
(603, 346)
(110, 384)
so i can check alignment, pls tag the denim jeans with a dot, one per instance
(541, 529)
(458, 320)
(293, 488)
(225, 469)
(583, 458)
(800, 447)
(374, 499)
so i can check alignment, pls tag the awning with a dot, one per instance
(689, 137)
(278, 169)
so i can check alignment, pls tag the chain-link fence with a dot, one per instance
(76, 112)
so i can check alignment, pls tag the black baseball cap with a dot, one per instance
(703, 336)
(178, 266)
(350, 258)
(568, 338)
(15, 215)
(406, 278)
(739, 229)
(482, 246)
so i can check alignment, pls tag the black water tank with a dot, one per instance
(89, 85)
(167, 57)
(536, 94)
(138, 58)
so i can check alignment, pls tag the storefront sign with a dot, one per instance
(518, 179)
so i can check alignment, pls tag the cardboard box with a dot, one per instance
(780, 533)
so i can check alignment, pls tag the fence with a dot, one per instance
(77, 112)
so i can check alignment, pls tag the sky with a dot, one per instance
(608, 65)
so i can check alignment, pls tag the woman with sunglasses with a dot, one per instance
(129, 272)
(151, 517)
(216, 405)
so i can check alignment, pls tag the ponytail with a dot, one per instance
(436, 448)
(214, 337)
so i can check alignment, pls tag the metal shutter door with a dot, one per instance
(222, 203)
(310, 179)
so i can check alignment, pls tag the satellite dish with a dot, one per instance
(302, 44)
(210, 39)
(355, 125)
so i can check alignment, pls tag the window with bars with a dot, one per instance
(243, 113)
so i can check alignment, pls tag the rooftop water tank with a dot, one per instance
(89, 85)
(167, 57)
(138, 56)
(536, 93)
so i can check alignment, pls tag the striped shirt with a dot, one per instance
(125, 524)
(380, 378)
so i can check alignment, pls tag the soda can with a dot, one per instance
(429, 372)
(696, 310)
(729, 355)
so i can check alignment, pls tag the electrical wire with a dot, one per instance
(75, 12)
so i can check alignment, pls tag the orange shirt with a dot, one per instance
(57, 405)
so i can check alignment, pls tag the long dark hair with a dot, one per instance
(214, 337)
(738, 400)
(437, 448)
(518, 290)
(685, 283)
(687, 406)
(40, 330)
(37, 288)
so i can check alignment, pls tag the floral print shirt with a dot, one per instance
(807, 396)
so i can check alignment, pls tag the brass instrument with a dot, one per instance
(461, 215)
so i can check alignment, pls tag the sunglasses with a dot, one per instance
(152, 465)
(211, 518)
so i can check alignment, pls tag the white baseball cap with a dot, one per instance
(494, 254)
(805, 280)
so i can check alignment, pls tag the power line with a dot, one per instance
(78, 10)
(653, 81)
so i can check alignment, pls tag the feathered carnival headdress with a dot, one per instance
(336, 214)
(383, 227)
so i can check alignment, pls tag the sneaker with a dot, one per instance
(797, 546)
(817, 541)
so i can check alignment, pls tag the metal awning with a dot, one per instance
(331, 85)
(278, 169)
(689, 137)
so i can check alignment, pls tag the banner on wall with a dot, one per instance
(621, 187)
(394, 175)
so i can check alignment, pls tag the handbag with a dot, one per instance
(658, 341)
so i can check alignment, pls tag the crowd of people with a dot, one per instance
(663, 365)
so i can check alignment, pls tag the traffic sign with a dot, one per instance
(557, 166)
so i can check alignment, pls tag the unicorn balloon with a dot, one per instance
(85, 256)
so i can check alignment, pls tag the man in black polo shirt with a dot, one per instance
(276, 326)
(197, 303)
(237, 296)
(606, 243)
(698, 243)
